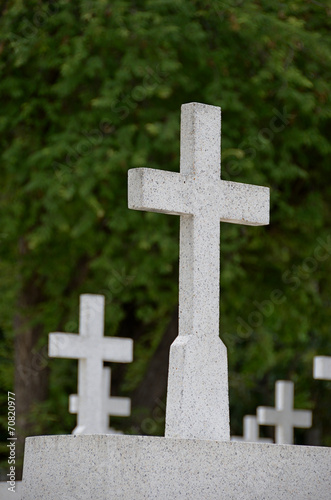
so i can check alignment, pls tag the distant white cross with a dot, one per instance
(91, 348)
(284, 417)
(197, 399)
(119, 407)
(251, 432)
(322, 367)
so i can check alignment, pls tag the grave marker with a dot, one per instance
(136, 467)
(91, 349)
(197, 400)
(284, 417)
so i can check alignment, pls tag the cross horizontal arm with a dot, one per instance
(118, 350)
(73, 403)
(322, 367)
(67, 345)
(302, 419)
(244, 203)
(118, 407)
(157, 191)
(267, 416)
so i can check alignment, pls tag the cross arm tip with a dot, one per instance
(140, 187)
(55, 340)
(135, 188)
(244, 203)
(59, 343)
(155, 190)
(263, 414)
(117, 349)
(260, 206)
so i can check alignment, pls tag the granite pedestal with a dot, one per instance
(5, 494)
(106, 467)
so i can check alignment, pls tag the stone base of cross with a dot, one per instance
(197, 398)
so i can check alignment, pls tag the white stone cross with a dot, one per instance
(251, 432)
(197, 399)
(322, 367)
(115, 406)
(284, 417)
(91, 349)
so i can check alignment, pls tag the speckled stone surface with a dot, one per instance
(136, 468)
(322, 367)
(283, 416)
(91, 348)
(197, 400)
(251, 431)
(10, 495)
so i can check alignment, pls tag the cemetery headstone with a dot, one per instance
(283, 416)
(197, 398)
(209, 467)
(93, 403)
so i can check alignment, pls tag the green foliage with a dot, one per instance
(91, 89)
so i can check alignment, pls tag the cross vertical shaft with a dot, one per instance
(91, 322)
(198, 276)
(91, 349)
(197, 401)
(200, 156)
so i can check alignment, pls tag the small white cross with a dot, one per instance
(91, 348)
(115, 406)
(251, 432)
(284, 417)
(197, 397)
(322, 367)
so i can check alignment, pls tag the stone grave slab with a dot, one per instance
(139, 468)
(11, 495)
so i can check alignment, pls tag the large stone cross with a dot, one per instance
(284, 417)
(197, 399)
(91, 348)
